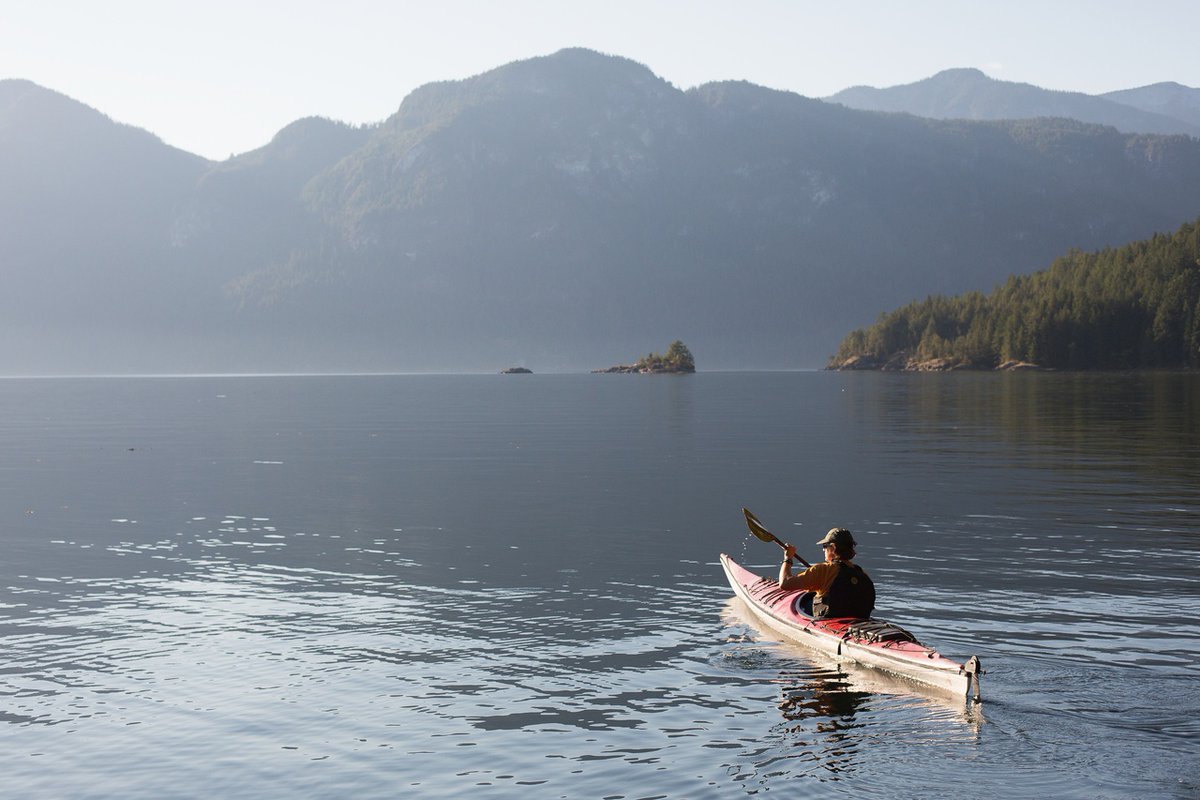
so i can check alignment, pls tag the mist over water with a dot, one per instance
(435, 585)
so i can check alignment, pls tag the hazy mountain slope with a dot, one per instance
(576, 205)
(970, 94)
(1169, 98)
(568, 212)
(60, 160)
(518, 206)
(87, 206)
(248, 211)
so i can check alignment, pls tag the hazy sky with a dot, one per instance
(217, 77)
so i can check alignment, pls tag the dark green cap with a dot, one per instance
(838, 537)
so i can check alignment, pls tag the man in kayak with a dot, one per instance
(842, 588)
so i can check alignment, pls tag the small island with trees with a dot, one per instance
(1131, 307)
(677, 360)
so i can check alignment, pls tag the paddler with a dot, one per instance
(843, 589)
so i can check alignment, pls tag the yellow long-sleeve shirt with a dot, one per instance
(817, 578)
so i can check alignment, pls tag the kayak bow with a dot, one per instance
(872, 642)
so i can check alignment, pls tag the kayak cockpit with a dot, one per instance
(857, 628)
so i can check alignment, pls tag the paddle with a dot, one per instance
(759, 530)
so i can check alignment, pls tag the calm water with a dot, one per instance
(431, 586)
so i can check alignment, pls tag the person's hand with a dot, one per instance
(789, 552)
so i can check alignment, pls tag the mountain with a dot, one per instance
(86, 205)
(1169, 99)
(560, 212)
(249, 210)
(970, 94)
(62, 161)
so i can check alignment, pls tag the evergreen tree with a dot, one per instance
(678, 358)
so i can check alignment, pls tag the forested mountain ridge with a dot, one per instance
(599, 202)
(1130, 307)
(558, 212)
(970, 94)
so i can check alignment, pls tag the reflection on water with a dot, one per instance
(1101, 426)
(434, 585)
(831, 709)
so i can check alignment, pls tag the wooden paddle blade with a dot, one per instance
(758, 530)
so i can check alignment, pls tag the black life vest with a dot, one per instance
(852, 594)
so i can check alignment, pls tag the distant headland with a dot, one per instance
(1130, 307)
(678, 360)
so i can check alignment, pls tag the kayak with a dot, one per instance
(872, 642)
